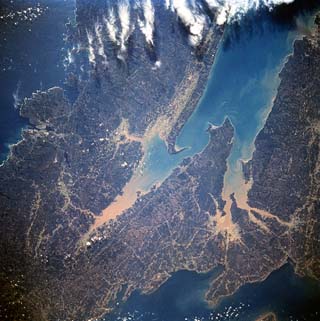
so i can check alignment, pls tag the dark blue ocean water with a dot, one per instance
(31, 58)
(181, 298)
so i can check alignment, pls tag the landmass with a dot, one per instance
(285, 165)
(270, 316)
(76, 158)
(80, 150)
(278, 215)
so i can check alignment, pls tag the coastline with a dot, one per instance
(250, 303)
(32, 71)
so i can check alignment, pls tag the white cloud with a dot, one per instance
(70, 57)
(100, 45)
(121, 19)
(124, 16)
(111, 25)
(229, 10)
(91, 54)
(16, 96)
(147, 26)
(191, 17)
(156, 65)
